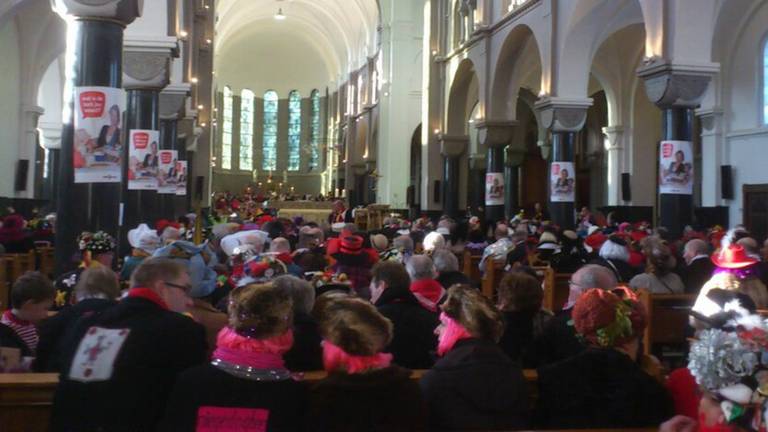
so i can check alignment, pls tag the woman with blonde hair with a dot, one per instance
(474, 386)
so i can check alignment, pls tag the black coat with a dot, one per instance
(286, 402)
(53, 330)
(475, 387)
(306, 354)
(382, 400)
(448, 279)
(599, 389)
(623, 271)
(161, 344)
(697, 274)
(414, 337)
(558, 341)
(521, 329)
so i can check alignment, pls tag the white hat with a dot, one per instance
(338, 227)
(239, 242)
(444, 230)
(145, 238)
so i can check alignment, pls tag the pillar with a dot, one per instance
(711, 155)
(615, 153)
(476, 182)
(495, 136)
(451, 149)
(29, 151)
(144, 76)
(97, 50)
(514, 158)
(172, 100)
(676, 90)
(563, 117)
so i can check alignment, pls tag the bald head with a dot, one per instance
(421, 267)
(280, 245)
(593, 276)
(501, 231)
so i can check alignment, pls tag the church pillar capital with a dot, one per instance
(513, 157)
(670, 85)
(172, 100)
(613, 135)
(495, 133)
(122, 12)
(146, 69)
(563, 114)
(453, 145)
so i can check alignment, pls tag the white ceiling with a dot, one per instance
(343, 33)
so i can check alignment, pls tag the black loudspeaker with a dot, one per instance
(199, 187)
(726, 182)
(22, 169)
(626, 187)
(436, 192)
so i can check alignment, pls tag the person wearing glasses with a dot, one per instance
(120, 365)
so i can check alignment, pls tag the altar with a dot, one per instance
(312, 211)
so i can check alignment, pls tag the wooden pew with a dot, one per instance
(494, 272)
(667, 318)
(46, 260)
(20, 264)
(470, 266)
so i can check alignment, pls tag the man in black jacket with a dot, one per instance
(699, 267)
(414, 333)
(120, 367)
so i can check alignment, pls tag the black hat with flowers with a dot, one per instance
(98, 242)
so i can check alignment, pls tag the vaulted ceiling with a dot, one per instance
(341, 32)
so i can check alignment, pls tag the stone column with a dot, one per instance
(615, 151)
(476, 182)
(711, 155)
(495, 135)
(98, 51)
(451, 148)
(514, 158)
(30, 150)
(144, 76)
(51, 139)
(563, 117)
(172, 101)
(676, 90)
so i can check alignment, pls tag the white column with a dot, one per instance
(614, 147)
(28, 147)
(711, 155)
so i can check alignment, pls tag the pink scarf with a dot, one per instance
(256, 353)
(452, 332)
(335, 358)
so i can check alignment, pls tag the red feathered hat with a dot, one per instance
(733, 257)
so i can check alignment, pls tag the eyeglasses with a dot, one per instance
(185, 288)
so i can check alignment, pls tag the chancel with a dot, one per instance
(395, 215)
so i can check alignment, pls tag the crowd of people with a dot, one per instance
(219, 335)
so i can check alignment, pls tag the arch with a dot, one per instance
(269, 141)
(246, 130)
(591, 22)
(519, 61)
(462, 98)
(226, 134)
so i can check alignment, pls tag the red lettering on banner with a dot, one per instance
(140, 140)
(666, 149)
(166, 157)
(92, 104)
(219, 419)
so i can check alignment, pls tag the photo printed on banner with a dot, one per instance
(562, 182)
(494, 189)
(166, 176)
(97, 145)
(143, 159)
(181, 178)
(676, 168)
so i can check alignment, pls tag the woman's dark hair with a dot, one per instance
(521, 292)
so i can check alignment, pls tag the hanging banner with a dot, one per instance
(676, 168)
(143, 159)
(166, 176)
(562, 182)
(97, 145)
(494, 189)
(181, 178)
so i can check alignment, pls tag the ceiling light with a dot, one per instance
(193, 80)
(200, 107)
(183, 34)
(279, 15)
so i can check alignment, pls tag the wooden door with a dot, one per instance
(756, 210)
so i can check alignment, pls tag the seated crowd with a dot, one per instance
(222, 335)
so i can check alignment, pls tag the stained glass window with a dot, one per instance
(270, 131)
(226, 135)
(246, 130)
(314, 155)
(294, 131)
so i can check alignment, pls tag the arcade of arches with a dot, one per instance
(410, 103)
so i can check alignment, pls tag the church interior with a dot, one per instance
(542, 207)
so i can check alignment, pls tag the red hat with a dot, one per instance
(638, 235)
(733, 257)
(351, 245)
(162, 224)
(608, 319)
(595, 240)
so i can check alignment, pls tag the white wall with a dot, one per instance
(10, 95)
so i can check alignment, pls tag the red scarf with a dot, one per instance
(148, 294)
(335, 358)
(428, 292)
(256, 353)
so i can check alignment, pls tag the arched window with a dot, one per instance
(314, 144)
(765, 82)
(246, 130)
(226, 134)
(294, 131)
(270, 131)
